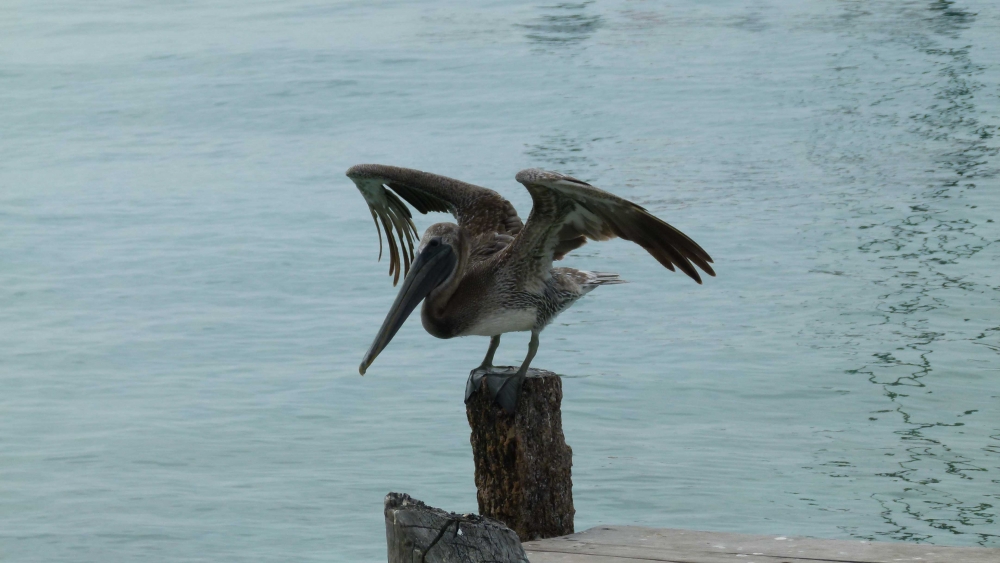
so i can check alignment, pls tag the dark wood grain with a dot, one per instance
(523, 465)
(417, 533)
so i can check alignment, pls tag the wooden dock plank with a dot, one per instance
(632, 544)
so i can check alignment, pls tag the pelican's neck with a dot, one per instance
(435, 309)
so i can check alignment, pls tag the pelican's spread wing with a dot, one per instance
(480, 210)
(567, 211)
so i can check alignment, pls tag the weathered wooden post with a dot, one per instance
(417, 533)
(523, 465)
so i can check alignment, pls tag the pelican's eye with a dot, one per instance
(434, 242)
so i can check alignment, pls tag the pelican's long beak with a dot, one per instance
(432, 266)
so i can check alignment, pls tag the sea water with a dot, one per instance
(188, 282)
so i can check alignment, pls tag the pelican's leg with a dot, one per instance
(488, 360)
(506, 392)
(532, 348)
(476, 375)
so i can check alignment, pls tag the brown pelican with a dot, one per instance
(491, 273)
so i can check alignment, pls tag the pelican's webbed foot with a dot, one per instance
(504, 384)
(505, 391)
(476, 375)
(475, 379)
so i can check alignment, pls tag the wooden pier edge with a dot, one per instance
(417, 532)
(633, 544)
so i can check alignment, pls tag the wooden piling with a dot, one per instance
(523, 465)
(415, 532)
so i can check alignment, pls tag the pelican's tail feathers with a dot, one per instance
(594, 279)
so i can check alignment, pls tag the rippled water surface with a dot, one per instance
(188, 281)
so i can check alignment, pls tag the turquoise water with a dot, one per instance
(188, 282)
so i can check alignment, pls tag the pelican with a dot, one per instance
(492, 273)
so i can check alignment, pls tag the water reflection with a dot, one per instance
(562, 152)
(563, 24)
(925, 254)
(947, 20)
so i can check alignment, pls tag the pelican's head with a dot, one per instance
(448, 234)
(435, 263)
